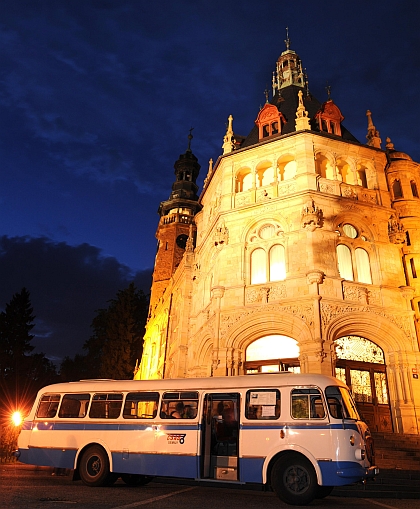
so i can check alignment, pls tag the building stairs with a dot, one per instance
(398, 459)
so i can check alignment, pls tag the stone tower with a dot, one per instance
(176, 219)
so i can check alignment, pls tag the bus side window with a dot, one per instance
(74, 405)
(141, 405)
(307, 404)
(106, 406)
(179, 405)
(262, 404)
(335, 408)
(48, 406)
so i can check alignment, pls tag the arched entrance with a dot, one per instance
(271, 354)
(361, 365)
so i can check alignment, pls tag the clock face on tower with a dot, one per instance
(181, 241)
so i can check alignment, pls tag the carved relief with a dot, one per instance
(304, 312)
(243, 199)
(285, 189)
(348, 192)
(311, 216)
(330, 312)
(221, 235)
(396, 231)
(326, 188)
(265, 294)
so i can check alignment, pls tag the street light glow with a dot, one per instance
(17, 418)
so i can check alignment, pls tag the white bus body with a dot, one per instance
(299, 433)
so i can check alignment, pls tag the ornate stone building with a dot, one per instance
(301, 253)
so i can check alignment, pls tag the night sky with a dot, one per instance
(96, 101)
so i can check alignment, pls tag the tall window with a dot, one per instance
(363, 266)
(267, 258)
(396, 189)
(258, 267)
(353, 261)
(345, 265)
(268, 265)
(414, 191)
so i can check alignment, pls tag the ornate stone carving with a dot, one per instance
(285, 189)
(324, 187)
(330, 312)
(243, 199)
(221, 235)
(315, 276)
(355, 292)
(265, 294)
(396, 231)
(311, 216)
(304, 312)
(348, 192)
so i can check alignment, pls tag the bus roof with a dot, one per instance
(181, 384)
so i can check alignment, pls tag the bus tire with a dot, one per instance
(94, 467)
(136, 479)
(294, 480)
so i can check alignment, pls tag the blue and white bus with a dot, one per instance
(301, 434)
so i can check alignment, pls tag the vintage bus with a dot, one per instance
(298, 433)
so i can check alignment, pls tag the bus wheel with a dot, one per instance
(293, 479)
(136, 479)
(323, 491)
(94, 467)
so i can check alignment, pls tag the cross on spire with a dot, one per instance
(190, 137)
(287, 40)
(328, 89)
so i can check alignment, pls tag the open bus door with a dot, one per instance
(220, 440)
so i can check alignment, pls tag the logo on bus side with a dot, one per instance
(175, 438)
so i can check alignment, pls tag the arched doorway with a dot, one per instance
(271, 354)
(361, 365)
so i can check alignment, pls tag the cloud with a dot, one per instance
(67, 285)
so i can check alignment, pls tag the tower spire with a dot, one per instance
(289, 69)
(287, 40)
(229, 140)
(373, 139)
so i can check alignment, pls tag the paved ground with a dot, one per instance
(24, 487)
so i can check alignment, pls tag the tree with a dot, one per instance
(22, 374)
(117, 340)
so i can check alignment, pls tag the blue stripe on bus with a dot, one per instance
(299, 426)
(101, 426)
(171, 465)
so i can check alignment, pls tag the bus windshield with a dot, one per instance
(340, 403)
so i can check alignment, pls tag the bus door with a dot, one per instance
(220, 436)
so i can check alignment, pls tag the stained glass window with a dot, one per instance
(380, 388)
(355, 348)
(360, 383)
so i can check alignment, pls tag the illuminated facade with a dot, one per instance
(301, 253)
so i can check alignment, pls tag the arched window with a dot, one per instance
(345, 266)
(258, 266)
(277, 263)
(272, 354)
(244, 180)
(363, 266)
(396, 189)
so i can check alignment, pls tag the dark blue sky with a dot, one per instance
(96, 101)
